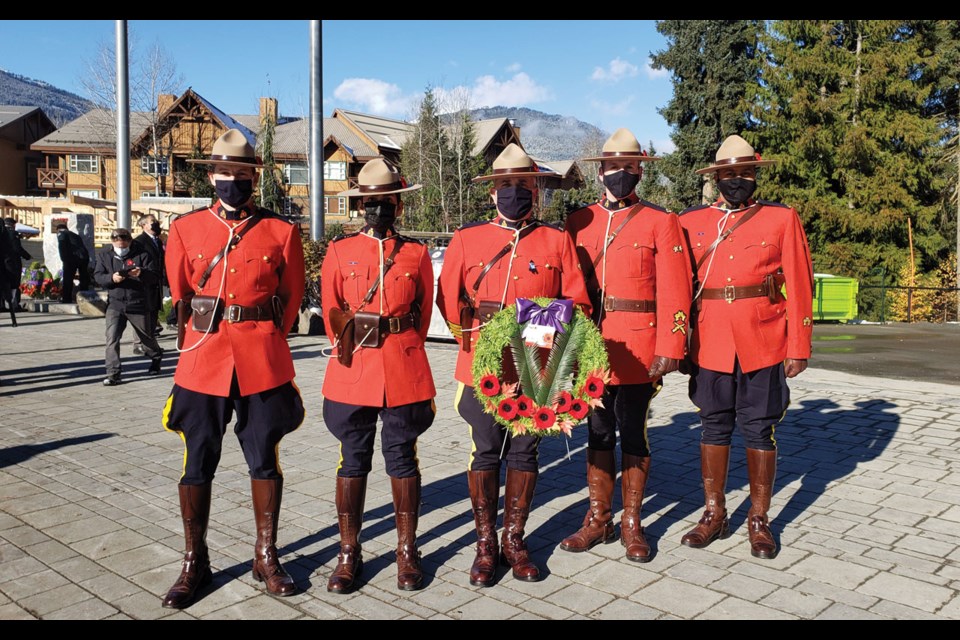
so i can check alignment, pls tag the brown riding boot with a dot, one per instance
(484, 493)
(267, 495)
(598, 523)
(406, 507)
(351, 494)
(714, 524)
(762, 471)
(195, 572)
(633, 482)
(516, 508)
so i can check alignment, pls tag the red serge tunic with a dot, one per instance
(647, 260)
(542, 264)
(398, 372)
(754, 331)
(267, 262)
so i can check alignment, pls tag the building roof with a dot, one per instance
(96, 129)
(11, 113)
(385, 132)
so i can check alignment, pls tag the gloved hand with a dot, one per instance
(793, 367)
(686, 366)
(662, 366)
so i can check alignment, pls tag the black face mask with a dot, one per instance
(380, 214)
(621, 184)
(235, 193)
(514, 203)
(155, 227)
(736, 191)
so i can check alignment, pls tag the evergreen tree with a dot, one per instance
(847, 109)
(713, 66)
(426, 159)
(654, 186)
(271, 192)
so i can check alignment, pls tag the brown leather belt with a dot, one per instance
(239, 313)
(610, 303)
(397, 324)
(731, 293)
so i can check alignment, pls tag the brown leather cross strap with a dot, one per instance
(610, 303)
(723, 236)
(386, 267)
(233, 243)
(504, 251)
(631, 214)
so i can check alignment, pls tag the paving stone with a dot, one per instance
(907, 591)
(739, 609)
(683, 599)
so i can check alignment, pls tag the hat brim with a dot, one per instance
(716, 167)
(229, 163)
(518, 174)
(357, 192)
(621, 157)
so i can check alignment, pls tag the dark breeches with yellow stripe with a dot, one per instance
(262, 419)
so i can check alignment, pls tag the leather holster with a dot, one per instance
(183, 317)
(341, 327)
(207, 312)
(366, 330)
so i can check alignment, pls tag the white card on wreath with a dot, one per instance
(540, 335)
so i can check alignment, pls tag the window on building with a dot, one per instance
(85, 164)
(85, 193)
(152, 166)
(335, 206)
(334, 170)
(154, 194)
(296, 173)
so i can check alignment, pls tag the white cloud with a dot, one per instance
(612, 108)
(520, 90)
(655, 74)
(514, 68)
(374, 96)
(617, 70)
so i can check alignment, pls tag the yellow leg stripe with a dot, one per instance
(456, 403)
(165, 420)
(340, 461)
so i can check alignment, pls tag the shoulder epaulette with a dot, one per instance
(267, 213)
(190, 212)
(475, 223)
(650, 205)
(410, 239)
(696, 208)
(549, 225)
(768, 203)
(342, 236)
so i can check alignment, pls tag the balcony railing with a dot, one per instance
(51, 178)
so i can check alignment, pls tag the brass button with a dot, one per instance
(548, 266)
(651, 324)
(698, 244)
(352, 274)
(733, 216)
(480, 265)
(233, 270)
(516, 277)
(729, 279)
(407, 274)
(636, 244)
(763, 243)
(199, 256)
(731, 256)
(266, 258)
(231, 296)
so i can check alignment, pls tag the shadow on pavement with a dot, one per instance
(15, 455)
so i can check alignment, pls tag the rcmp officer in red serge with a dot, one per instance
(747, 338)
(234, 357)
(487, 266)
(386, 280)
(638, 275)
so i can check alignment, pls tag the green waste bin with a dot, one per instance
(834, 298)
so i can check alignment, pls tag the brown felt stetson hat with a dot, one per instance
(232, 148)
(735, 152)
(513, 162)
(379, 177)
(622, 145)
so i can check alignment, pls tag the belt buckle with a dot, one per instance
(394, 323)
(729, 293)
(608, 302)
(234, 312)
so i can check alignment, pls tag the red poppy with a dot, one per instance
(525, 407)
(578, 409)
(507, 409)
(563, 402)
(544, 418)
(593, 387)
(489, 385)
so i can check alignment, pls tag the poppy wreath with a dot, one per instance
(549, 398)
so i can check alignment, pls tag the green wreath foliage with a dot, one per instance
(550, 397)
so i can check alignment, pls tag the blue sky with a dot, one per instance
(577, 68)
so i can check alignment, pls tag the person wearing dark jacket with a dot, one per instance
(126, 272)
(14, 255)
(151, 242)
(75, 257)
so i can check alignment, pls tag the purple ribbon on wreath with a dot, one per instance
(553, 315)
